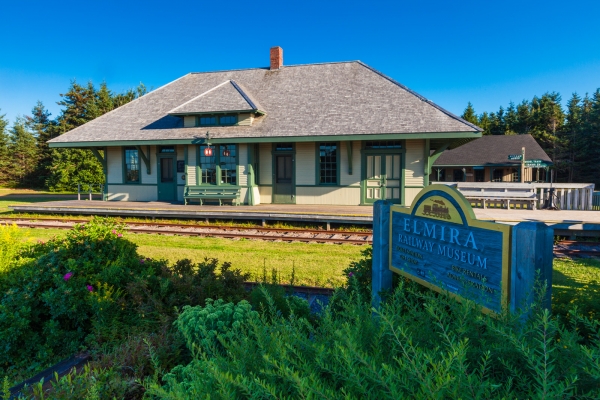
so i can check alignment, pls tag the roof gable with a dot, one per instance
(225, 97)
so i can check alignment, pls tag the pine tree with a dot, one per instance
(484, 123)
(23, 154)
(4, 153)
(469, 114)
(569, 139)
(548, 119)
(42, 127)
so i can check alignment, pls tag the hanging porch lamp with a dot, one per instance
(226, 152)
(208, 151)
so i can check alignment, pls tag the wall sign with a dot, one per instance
(180, 165)
(439, 243)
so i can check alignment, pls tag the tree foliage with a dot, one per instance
(570, 135)
(25, 157)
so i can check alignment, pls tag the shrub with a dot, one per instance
(12, 241)
(420, 344)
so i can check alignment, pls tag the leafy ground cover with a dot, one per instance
(189, 330)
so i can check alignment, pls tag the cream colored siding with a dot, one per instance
(243, 165)
(328, 195)
(265, 168)
(114, 165)
(266, 194)
(189, 121)
(191, 168)
(354, 179)
(244, 196)
(413, 173)
(132, 193)
(152, 178)
(410, 194)
(245, 119)
(305, 163)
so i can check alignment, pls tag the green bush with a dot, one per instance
(418, 345)
(92, 289)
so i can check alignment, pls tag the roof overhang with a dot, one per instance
(215, 139)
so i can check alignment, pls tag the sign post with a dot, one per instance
(439, 243)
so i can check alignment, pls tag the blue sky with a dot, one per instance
(452, 52)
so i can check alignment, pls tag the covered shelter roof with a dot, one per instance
(493, 150)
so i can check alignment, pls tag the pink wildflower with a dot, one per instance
(90, 288)
(351, 274)
(114, 232)
(142, 261)
(67, 276)
(120, 235)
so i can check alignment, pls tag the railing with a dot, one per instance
(596, 201)
(90, 188)
(567, 196)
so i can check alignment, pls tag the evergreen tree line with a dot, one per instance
(570, 136)
(27, 161)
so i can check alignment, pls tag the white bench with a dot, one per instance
(502, 196)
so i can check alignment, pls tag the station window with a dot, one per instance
(284, 146)
(216, 120)
(328, 163)
(383, 144)
(132, 165)
(219, 165)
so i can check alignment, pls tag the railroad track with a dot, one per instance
(572, 248)
(255, 233)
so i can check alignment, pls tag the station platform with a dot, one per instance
(564, 222)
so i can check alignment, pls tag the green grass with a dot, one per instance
(315, 264)
(319, 264)
(576, 282)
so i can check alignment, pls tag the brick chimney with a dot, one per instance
(276, 57)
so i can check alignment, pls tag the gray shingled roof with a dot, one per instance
(226, 96)
(493, 149)
(345, 98)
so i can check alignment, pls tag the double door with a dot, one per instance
(383, 177)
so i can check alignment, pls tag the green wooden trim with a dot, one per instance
(329, 186)
(185, 161)
(124, 168)
(131, 184)
(426, 163)
(403, 176)
(145, 159)
(349, 146)
(97, 154)
(273, 139)
(338, 162)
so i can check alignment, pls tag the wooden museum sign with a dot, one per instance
(439, 243)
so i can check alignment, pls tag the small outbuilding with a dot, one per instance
(337, 133)
(493, 158)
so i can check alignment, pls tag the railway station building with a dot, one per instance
(493, 158)
(339, 133)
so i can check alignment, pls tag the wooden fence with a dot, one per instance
(567, 196)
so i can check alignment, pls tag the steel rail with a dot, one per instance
(209, 231)
(222, 227)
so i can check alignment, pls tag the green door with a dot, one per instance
(283, 185)
(382, 177)
(167, 183)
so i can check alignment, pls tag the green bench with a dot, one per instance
(212, 193)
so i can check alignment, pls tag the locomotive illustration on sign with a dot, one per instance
(438, 210)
